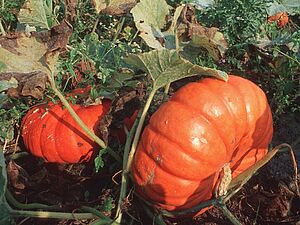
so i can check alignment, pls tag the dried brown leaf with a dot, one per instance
(125, 104)
(18, 177)
(30, 84)
(198, 36)
(31, 59)
(71, 9)
(210, 39)
(114, 7)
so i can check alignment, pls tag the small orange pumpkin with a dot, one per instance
(50, 132)
(281, 18)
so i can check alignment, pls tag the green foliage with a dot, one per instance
(239, 20)
(10, 110)
(284, 48)
(4, 207)
(34, 14)
(8, 12)
(166, 66)
(98, 161)
(11, 113)
(108, 204)
(3, 177)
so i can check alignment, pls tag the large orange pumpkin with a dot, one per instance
(50, 132)
(188, 140)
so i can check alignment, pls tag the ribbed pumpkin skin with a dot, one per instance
(51, 133)
(204, 125)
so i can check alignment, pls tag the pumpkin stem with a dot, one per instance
(139, 129)
(227, 213)
(91, 213)
(53, 215)
(166, 91)
(294, 161)
(125, 177)
(128, 156)
(82, 125)
(11, 200)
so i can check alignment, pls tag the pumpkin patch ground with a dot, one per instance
(162, 112)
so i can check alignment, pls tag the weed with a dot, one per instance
(8, 12)
(11, 113)
(239, 20)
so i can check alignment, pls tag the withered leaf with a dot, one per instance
(18, 177)
(31, 59)
(198, 36)
(30, 84)
(71, 9)
(114, 7)
(210, 39)
(124, 105)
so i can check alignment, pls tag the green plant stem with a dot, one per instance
(294, 161)
(228, 214)
(289, 57)
(134, 36)
(52, 215)
(119, 28)
(82, 125)
(100, 222)
(166, 91)
(18, 155)
(157, 219)
(96, 23)
(192, 210)
(12, 201)
(125, 177)
(97, 213)
(90, 213)
(75, 116)
(2, 29)
(139, 130)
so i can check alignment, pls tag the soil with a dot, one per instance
(268, 198)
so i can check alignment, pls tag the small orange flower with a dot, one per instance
(281, 18)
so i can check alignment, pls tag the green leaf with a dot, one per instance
(275, 8)
(6, 84)
(5, 218)
(165, 66)
(170, 37)
(3, 177)
(176, 16)
(290, 6)
(33, 13)
(108, 204)
(2, 66)
(150, 17)
(99, 163)
(3, 99)
(4, 207)
(201, 4)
